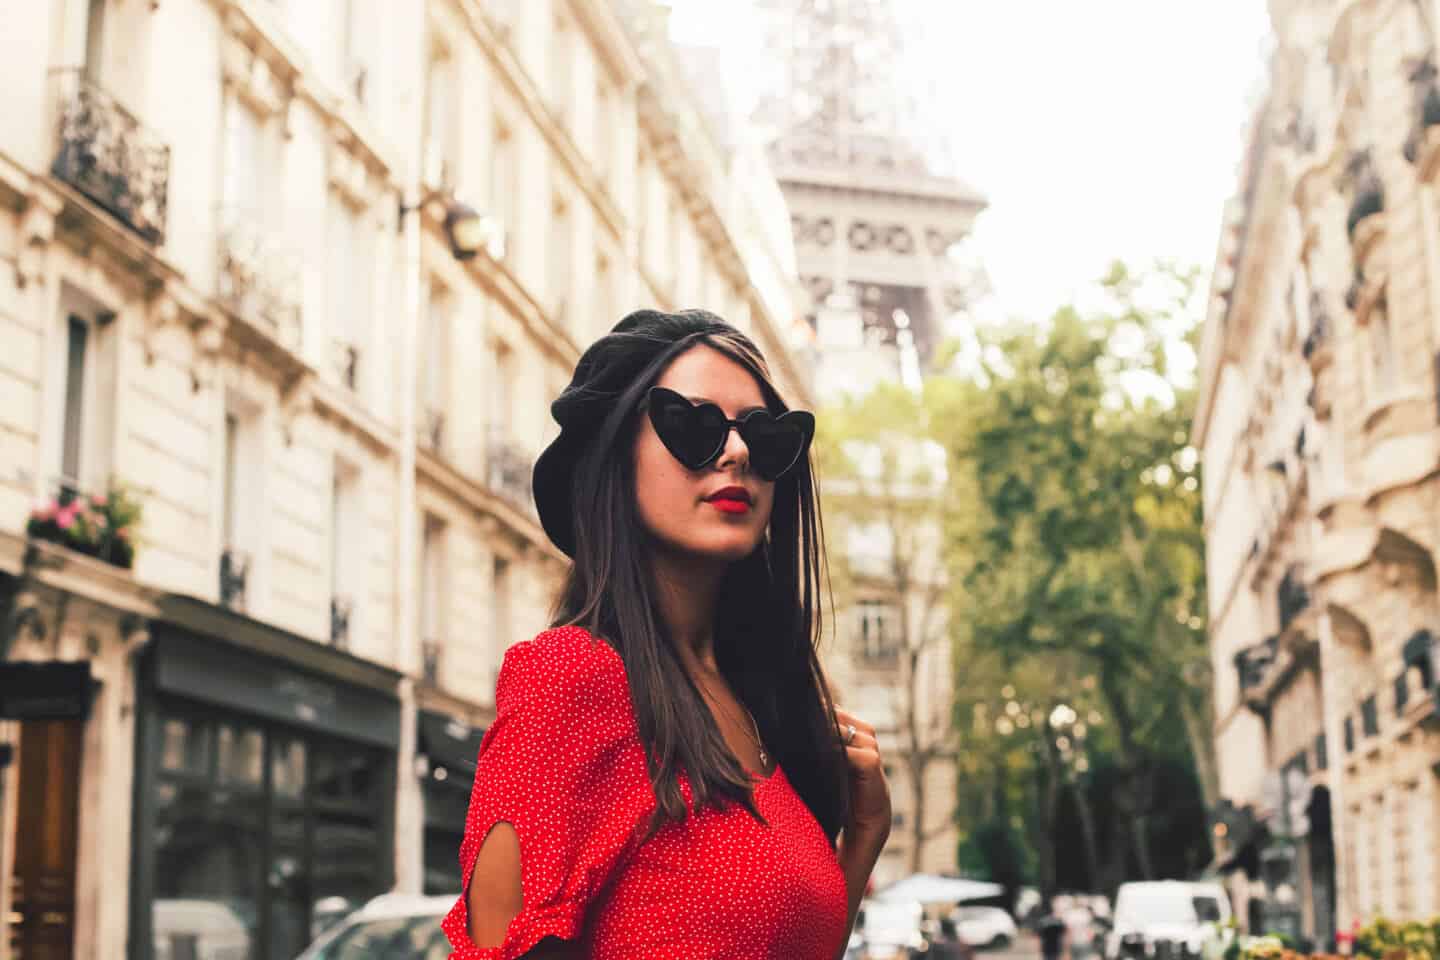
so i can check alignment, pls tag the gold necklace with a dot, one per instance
(759, 744)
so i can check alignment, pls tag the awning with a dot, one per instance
(451, 745)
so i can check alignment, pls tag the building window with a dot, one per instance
(435, 375)
(357, 24)
(347, 543)
(562, 242)
(500, 590)
(241, 496)
(878, 630)
(432, 571)
(439, 144)
(247, 154)
(1369, 717)
(562, 63)
(352, 265)
(73, 430)
(84, 367)
(504, 179)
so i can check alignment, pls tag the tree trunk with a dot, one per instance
(918, 763)
(1087, 828)
(1202, 747)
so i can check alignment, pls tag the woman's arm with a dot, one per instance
(858, 854)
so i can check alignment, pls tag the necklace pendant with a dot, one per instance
(764, 760)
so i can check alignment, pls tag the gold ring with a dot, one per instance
(849, 733)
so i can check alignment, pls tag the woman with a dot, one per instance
(666, 775)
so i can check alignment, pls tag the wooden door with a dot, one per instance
(46, 833)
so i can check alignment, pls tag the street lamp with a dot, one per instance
(466, 230)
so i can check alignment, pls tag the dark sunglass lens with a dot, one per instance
(774, 445)
(692, 434)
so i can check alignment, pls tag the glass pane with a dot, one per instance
(74, 400)
(346, 777)
(346, 859)
(239, 756)
(287, 769)
(207, 873)
(184, 747)
(288, 880)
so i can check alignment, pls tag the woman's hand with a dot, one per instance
(869, 793)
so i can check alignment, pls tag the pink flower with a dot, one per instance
(65, 517)
(98, 500)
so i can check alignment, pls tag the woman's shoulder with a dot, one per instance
(567, 662)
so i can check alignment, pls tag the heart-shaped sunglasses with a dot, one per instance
(695, 433)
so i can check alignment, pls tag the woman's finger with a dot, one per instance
(845, 717)
(864, 759)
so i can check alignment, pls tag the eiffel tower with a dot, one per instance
(875, 209)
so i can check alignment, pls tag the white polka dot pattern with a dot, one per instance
(564, 765)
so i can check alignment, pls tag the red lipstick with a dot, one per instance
(730, 499)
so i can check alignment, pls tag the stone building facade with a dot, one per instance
(229, 278)
(1320, 436)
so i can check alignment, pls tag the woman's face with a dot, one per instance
(677, 504)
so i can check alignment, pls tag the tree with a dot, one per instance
(883, 484)
(1079, 561)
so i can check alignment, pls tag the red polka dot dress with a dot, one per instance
(564, 765)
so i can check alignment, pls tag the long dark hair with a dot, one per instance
(768, 623)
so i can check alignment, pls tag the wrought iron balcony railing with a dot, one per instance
(1292, 597)
(508, 473)
(258, 282)
(108, 155)
(341, 607)
(234, 574)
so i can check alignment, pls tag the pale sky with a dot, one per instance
(1097, 128)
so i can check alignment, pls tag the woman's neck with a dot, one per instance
(687, 594)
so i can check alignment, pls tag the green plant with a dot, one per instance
(100, 525)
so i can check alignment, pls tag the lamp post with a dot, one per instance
(467, 230)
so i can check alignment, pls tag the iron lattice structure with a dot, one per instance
(837, 98)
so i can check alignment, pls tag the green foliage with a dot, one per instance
(1384, 939)
(1078, 561)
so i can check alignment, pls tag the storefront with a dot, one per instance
(264, 791)
(447, 748)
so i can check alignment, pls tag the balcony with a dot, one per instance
(109, 156)
(1255, 666)
(1292, 597)
(234, 574)
(341, 607)
(508, 473)
(258, 283)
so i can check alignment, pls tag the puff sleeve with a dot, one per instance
(563, 765)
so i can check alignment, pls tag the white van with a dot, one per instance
(1187, 914)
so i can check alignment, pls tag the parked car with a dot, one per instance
(891, 930)
(199, 928)
(392, 926)
(1184, 914)
(984, 926)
